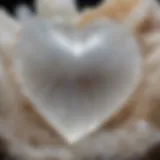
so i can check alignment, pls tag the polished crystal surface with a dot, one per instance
(76, 79)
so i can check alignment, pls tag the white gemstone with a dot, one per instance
(76, 79)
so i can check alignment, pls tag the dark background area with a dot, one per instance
(11, 4)
(81, 4)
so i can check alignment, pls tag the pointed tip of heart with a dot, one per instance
(74, 135)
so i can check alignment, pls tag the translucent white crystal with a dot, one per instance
(76, 79)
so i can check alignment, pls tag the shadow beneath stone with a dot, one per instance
(153, 153)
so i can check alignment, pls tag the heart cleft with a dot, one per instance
(76, 79)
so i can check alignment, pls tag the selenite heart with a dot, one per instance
(76, 79)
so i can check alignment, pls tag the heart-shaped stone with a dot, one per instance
(76, 79)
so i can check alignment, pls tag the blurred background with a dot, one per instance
(11, 4)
